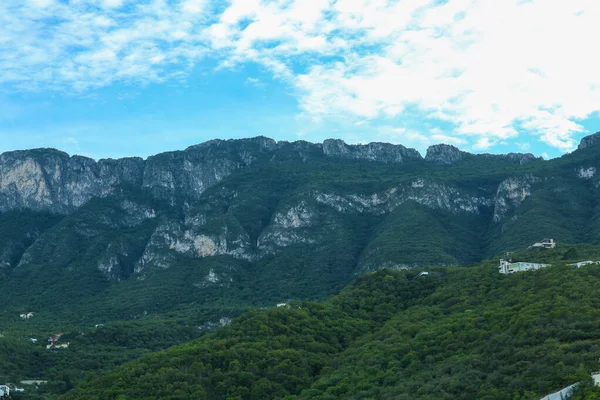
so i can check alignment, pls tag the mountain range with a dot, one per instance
(123, 258)
(255, 221)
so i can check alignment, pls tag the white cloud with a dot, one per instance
(523, 146)
(484, 143)
(254, 82)
(41, 3)
(488, 69)
(418, 139)
(83, 44)
(193, 6)
(112, 3)
(456, 141)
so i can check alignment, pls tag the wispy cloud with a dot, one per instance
(254, 82)
(490, 70)
(83, 44)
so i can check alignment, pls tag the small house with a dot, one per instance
(544, 244)
(584, 263)
(4, 391)
(35, 382)
(507, 267)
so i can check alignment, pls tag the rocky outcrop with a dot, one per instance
(117, 262)
(444, 154)
(586, 173)
(510, 195)
(430, 194)
(190, 172)
(447, 154)
(293, 224)
(382, 152)
(521, 158)
(50, 180)
(590, 140)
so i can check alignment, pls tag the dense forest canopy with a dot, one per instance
(456, 333)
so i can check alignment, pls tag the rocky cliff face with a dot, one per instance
(229, 222)
(281, 218)
(383, 152)
(591, 140)
(447, 154)
(521, 158)
(511, 193)
(444, 154)
(48, 179)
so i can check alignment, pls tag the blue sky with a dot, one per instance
(114, 78)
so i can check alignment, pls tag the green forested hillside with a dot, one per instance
(457, 333)
(163, 262)
(289, 228)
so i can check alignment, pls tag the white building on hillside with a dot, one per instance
(4, 391)
(584, 263)
(510, 268)
(545, 244)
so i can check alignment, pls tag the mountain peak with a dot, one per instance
(383, 152)
(444, 154)
(590, 140)
(448, 154)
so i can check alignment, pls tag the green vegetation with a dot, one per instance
(91, 348)
(62, 254)
(467, 332)
(457, 333)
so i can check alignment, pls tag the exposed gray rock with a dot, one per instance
(290, 226)
(590, 140)
(444, 154)
(586, 173)
(430, 194)
(48, 179)
(383, 152)
(447, 154)
(511, 193)
(51, 180)
(521, 158)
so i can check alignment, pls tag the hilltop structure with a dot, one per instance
(544, 244)
(584, 263)
(506, 267)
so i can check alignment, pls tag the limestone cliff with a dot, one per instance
(590, 140)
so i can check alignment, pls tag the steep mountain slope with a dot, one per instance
(165, 249)
(256, 222)
(457, 333)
